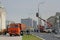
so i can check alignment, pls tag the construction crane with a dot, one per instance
(48, 23)
(42, 27)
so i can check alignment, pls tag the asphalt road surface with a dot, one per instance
(47, 36)
(7, 37)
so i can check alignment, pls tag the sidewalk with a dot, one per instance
(2, 37)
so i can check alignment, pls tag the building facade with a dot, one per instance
(30, 24)
(52, 20)
(2, 17)
(58, 21)
(55, 21)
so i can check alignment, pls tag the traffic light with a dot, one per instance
(37, 14)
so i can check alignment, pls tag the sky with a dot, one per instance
(18, 9)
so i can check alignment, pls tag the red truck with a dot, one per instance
(40, 27)
(16, 29)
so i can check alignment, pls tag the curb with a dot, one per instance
(38, 37)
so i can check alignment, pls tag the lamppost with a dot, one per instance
(37, 14)
(39, 20)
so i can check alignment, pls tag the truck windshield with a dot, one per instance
(15, 26)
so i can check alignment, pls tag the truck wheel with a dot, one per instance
(18, 34)
(10, 34)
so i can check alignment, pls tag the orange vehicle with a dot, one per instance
(16, 29)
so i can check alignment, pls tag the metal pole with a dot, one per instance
(39, 20)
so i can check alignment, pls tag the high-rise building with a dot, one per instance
(58, 21)
(2, 17)
(55, 21)
(30, 24)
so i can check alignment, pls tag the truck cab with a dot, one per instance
(15, 29)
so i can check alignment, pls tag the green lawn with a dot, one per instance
(30, 37)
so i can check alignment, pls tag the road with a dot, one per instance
(47, 36)
(7, 37)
